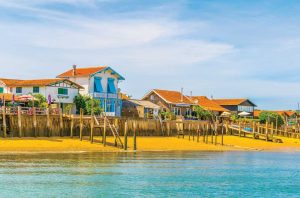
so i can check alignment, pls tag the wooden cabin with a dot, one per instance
(171, 101)
(237, 105)
(140, 108)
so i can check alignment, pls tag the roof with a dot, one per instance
(88, 71)
(82, 71)
(35, 82)
(256, 113)
(8, 97)
(232, 102)
(207, 104)
(144, 103)
(280, 112)
(174, 97)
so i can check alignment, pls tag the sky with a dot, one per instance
(217, 48)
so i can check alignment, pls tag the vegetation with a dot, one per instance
(87, 104)
(234, 117)
(202, 114)
(167, 115)
(39, 101)
(270, 117)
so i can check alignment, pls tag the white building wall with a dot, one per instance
(53, 91)
(84, 82)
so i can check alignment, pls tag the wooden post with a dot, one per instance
(48, 121)
(216, 134)
(272, 130)
(81, 124)
(72, 126)
(34, 121)
(60, 122)
(104, 130)
(276, 125)
(240, 128)
(212, 133)
(267, 125)
(189, 132)
(134, 136)
(222, 131)
(198, 133)
(125, 135)
(4, 121)
(92, 127)
(253, 129)
(20, 121)
(227, 129)
(207, 133)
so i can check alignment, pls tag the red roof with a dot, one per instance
(35, 82)
(229, 101)
(8, 97)
(82, 71)
(174, 97)
(207, 104)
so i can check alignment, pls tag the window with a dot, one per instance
(176, 111)
(152, 97)
(36, 90)
(246, 108)
(111, 85)
(19, 90)
(1, 89)
(188, 112)
(62, 91)
(97, 85)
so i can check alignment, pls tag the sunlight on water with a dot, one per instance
(151, 174)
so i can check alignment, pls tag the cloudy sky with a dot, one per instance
(216, 48)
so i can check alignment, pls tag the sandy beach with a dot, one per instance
(66, 144)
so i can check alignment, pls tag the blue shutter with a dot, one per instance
(97, 85)
(111, 86)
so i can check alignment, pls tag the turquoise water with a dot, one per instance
(152, 174)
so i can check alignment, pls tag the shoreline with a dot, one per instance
(67, 145)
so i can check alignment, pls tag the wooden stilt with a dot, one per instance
(61, 124)
(20, 121)
(72, 126)
(4, 121)
(198, 133)
(134, 136)
(81, 124)
(34, 121)
(222, 132)
(125, 135)
(104, 130)
(48, 122)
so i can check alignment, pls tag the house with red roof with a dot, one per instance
(171, 101)
(60, 91)
(208, 104)
(100, 82)
(237, 105)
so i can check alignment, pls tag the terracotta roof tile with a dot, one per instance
(35, 82)
(229, 101)
(8, 97)
(82, 71)
(173, 96)
(207, 104)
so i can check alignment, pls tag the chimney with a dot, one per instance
(181, 95)
(74, 70)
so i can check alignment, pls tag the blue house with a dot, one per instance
(100, 83)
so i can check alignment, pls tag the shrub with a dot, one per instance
(270, 117)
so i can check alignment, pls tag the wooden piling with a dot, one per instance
(20, 121)
(189, 131)
(92, 128)
(198, 133)
(48, 122)
(104, 131)
(253, 129)
(81, 124)
(125, 135)
(72, 126)
(34, 121)
(222, 138)
(216, 134)
(4, 121)
(61, 124)
(134, 136)
(240, 128)
(267, 131)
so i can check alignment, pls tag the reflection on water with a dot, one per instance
(151, 174)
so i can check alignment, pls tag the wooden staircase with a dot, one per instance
(104, 122)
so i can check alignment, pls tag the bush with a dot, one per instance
(86, 103)
(271, 117)
(202, 114)
(39, 101)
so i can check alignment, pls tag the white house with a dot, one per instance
(61, 91)
(99, 83)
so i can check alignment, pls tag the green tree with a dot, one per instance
(202, 114)
(80, 102)
(39, 101)
(271, 117)
(234, 117)
(93, 104)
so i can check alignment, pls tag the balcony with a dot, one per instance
(104, 95)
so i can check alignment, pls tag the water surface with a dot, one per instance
(151, 174)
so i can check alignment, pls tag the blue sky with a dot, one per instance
(223, 49)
